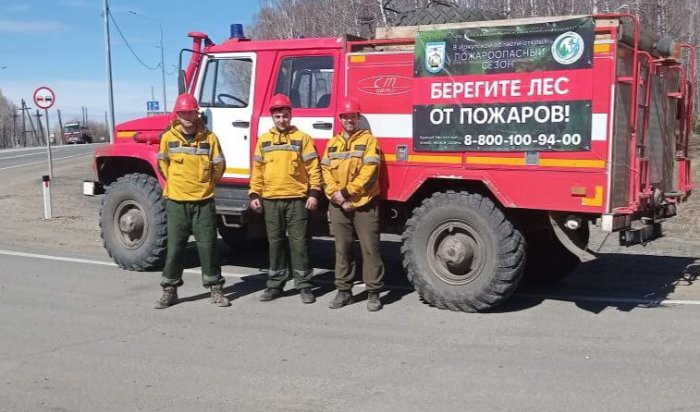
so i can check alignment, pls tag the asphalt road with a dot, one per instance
(81, 335)
(12, 159)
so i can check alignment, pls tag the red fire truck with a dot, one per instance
(501, 142)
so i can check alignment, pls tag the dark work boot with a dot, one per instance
(374, 303)
(218, 298)
(342, 298)
(269, 294)
(168, 299)
(306, 295)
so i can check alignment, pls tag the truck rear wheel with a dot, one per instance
(133, 222)
(461, 252)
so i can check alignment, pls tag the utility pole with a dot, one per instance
(31, 123)
(14, 129)
(60, 126)
(108, 60)
(40, 134)
(24, 124)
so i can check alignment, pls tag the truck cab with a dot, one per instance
(75, 133)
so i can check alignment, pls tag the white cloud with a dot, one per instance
(24, 26)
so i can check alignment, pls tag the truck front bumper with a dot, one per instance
(92, 188)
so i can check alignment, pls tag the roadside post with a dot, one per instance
(46, 184)
(44, 98)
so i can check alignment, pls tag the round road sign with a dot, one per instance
(44, 97)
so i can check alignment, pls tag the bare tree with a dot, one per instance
(8, 112)
(293, 18)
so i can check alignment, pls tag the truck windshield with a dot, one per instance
(71, 128)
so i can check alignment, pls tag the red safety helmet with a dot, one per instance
(280, 101)
(349, 105)
(185, 103)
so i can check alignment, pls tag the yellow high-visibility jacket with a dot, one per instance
(191, 169)
(352, 167)
(285, 166)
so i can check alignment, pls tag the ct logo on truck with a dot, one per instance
(385, 85)
(434, 56)
(568, 48)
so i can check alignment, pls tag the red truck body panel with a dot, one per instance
(385, 85)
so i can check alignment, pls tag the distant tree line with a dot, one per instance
(7, 110)
(313, 18)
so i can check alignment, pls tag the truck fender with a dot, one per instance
(145, 155)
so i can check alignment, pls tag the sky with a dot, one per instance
(61, 44)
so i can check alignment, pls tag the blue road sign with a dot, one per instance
(152, 106)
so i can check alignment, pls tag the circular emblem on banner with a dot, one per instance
(568, 48)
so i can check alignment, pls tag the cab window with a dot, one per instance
(307, 80)
(226, 83)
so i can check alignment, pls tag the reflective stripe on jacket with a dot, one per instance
(352, 167)
(191, 169)
(285, 166)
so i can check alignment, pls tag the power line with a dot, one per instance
(128, 46)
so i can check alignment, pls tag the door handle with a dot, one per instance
(241, 123)
(323, 125)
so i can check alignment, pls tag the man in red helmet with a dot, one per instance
(350, 167)
(191, 162)
(286, 183)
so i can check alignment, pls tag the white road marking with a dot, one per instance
(572, 298)
(42, 153)
(44, 161)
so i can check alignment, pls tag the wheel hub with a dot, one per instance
(130, 221)
(456, 252)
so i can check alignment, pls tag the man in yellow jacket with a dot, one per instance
(350, 167)
(286, 182)
(191, 163)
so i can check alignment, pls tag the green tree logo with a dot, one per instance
(568, 48)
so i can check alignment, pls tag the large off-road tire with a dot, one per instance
(439, 14)
(133, 222)
(461, 252)
(547, 259)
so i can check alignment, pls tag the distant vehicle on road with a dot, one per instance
(74, 133)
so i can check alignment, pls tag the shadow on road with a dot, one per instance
(614, 280)
(322, 256)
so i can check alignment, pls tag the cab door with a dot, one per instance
(309, 78)
(226, 100)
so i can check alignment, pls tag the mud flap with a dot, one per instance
(571, 239)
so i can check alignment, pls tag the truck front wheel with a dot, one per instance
(461, 252)
(133, 222)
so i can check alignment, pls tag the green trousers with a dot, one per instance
(199, 219)
(286, 222)
(365, 222)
